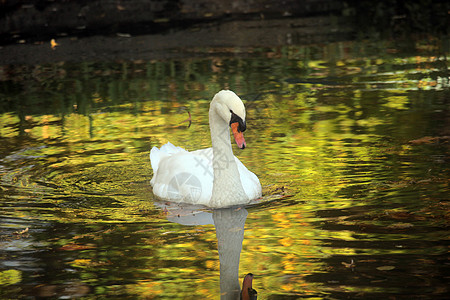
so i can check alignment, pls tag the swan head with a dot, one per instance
(232, 110)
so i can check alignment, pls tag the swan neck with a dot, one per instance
(220, 137)
(227, 186)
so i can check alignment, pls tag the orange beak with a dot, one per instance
(238, 136)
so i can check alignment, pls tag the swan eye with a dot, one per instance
(236, 119)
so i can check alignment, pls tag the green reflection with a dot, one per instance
(336, 133)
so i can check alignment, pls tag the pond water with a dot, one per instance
(350, 141)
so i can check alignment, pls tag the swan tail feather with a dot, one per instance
(157, 154)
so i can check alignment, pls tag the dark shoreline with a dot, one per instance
(182, 43)
(102, 30)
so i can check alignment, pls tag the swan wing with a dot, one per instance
(182, 176)
(249, 180)
(166, 150)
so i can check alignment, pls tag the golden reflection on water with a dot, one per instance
(326, 135)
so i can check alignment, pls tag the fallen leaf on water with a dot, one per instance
(53, 43)
(385, 268)
(74, 247)
(22, 231)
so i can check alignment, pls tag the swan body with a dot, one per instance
(214, 176)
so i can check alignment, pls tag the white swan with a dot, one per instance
(214, 176)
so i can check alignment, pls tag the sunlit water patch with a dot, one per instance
(350, 143)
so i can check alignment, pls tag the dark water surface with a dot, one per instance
(350, 141)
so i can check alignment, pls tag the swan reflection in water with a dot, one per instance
(229, 224)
